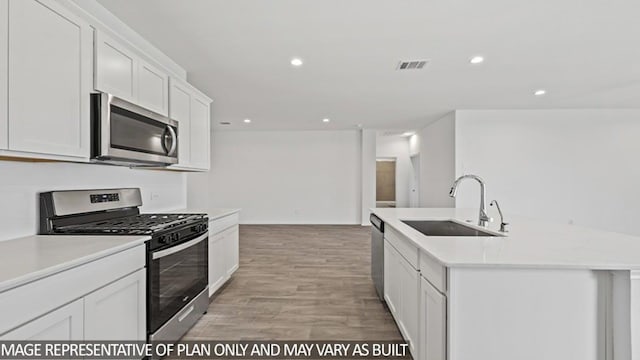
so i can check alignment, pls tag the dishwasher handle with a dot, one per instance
(377, 222)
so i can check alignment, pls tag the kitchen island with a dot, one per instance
(540, 291)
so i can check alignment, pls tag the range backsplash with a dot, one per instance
(20, 182)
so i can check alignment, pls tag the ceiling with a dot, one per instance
(585, 53)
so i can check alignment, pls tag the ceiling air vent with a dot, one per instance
(412, 64)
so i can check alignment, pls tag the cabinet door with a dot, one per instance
(65, 323)
(116, 68)
(391, 284)
(433, 323)
(50, 79)
(180, 110)
(409, 299)
(217, 271)
(200, 133)
(232, 247)
(4, 72)
(118, 310)
(153, 88)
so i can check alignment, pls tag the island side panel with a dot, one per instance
(626, 315)
(526, 314)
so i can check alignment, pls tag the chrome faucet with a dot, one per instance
(483, 218)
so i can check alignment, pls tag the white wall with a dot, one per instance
(20, 183)
(437, 159)
(414, 144)
(570, 166)
(292, 177)
(368, 173)
(396, 146)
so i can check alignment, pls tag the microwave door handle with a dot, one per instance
(174, 140)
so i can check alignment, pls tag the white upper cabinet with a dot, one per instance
(4, 72)
(153, 88)
(122, 73)
(200, 132)
(49, 54)
(115, 68)
(52, 59)
(192, 111)
(180, 110)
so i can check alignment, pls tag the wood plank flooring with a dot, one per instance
(299, 282)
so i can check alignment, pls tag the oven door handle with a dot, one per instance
(178, 248)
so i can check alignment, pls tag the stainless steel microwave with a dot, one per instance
(123, 133)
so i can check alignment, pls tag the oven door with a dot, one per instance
(176, 275)
(126, 133)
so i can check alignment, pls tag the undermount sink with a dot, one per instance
(445, 228)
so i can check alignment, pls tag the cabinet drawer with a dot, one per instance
(27, 302)
(433, 271)
(220, 224)
(403, 245)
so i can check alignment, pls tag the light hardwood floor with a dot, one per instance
(299, 282)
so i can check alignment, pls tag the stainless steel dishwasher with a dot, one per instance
(377, 254)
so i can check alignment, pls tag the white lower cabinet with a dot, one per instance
(232, 250)
(102, 300)
(217, 273)
(433, 323)
(402, 284)
(224, 249)
(118, 310)
(4, 73)
(391, 285)
(64, 323)
(410, 295)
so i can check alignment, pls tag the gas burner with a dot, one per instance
(134, 225)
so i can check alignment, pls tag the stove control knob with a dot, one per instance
(164, 239)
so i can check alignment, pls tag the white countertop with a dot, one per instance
(213, 213)
(529, 243)
(31, 258)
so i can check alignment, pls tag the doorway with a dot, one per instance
(386, 182)
(414, 196)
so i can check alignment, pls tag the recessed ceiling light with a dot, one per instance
(476, 60)
(540, 92)
(296, 62)
(325, 120)
(247, 121)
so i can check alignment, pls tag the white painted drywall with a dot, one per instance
(397, 147)
(437, 159)
(286, 177)
(368, 173)
(20, 183)
(414, 144)
(570, 166)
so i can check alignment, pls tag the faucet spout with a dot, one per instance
(483, 217)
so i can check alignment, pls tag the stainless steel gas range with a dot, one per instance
(177, 254)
